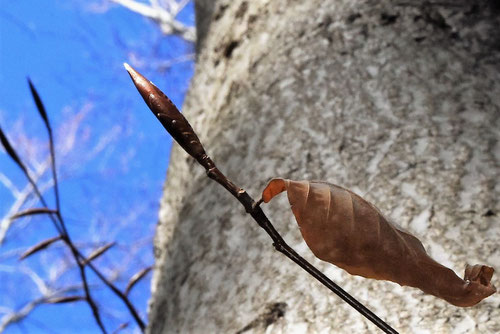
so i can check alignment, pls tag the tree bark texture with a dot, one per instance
(398, 101)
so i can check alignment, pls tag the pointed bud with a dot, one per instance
(39, 105)
(98, 252)
(38, 247)
(136, 278)
(65, 299)
(168, 115)
(32, 212)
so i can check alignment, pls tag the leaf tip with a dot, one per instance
(273, 188)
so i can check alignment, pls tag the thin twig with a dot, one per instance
(81, 260)
(60, 226)
(119, 294)
(21, 199)
(58, 221)
(15, 157)
(43, 114)
(180, 129)
(16, 316)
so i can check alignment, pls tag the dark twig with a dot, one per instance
(65, 299)
(13, 155)
(120, 295)
(136, 278)
(58, 221)
(32, 212)
(179, 128)
(59, 225)
(98, 252)
(84, 261)
(38, 247)
(43, 114)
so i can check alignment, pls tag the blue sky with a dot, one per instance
(111, 181)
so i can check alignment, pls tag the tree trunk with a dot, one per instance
(397, 101)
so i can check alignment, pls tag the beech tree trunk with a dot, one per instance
(398, 101)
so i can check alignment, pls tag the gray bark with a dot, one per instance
(397, 101)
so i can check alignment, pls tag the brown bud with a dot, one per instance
(32, 212)
(168, 114)
(39, 246)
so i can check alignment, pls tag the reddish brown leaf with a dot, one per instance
(342, 228)
(98, 252)
(136, 278)
(38, 247)
(32, 212)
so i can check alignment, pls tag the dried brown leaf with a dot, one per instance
(342, 228)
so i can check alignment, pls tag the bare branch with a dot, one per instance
(37, 280)
(68, 131)
(21, 199)
(165, 18)
(43, 114)
(58, 224)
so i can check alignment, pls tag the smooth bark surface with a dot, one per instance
(397, 101)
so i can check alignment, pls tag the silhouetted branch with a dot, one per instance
(43, 114)
(59, 225)
(120, 295)
(58, 221)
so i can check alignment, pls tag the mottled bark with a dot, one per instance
(396, 101)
